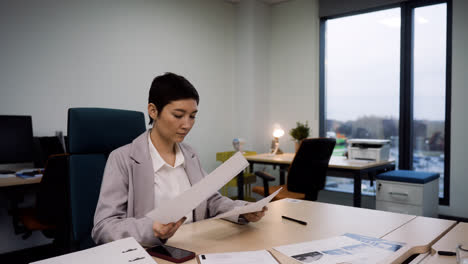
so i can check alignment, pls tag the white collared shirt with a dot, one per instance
(169, 181)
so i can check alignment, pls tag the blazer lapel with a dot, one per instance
(143, 176)
(191, 166)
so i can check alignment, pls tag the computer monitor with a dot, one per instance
(16, 139)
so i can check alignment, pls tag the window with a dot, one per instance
(429, 71)
(384, 76)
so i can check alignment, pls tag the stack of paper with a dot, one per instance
(249, 208)
(29, 173)
(122, 251)
(348, 248)
(245, 257)
(175, 209)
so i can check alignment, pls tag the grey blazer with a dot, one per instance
(127, 194)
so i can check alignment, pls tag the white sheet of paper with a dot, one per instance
(249, 208)
(245, 257)
(121, 251)
(348, 248)
(175, 209)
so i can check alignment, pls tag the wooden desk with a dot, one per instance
(324, 221)
(419, 234)
(15, 181)
(458, 235)
(338, 166)
(14, 189)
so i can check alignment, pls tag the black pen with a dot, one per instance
(294, 220)
(446, 253)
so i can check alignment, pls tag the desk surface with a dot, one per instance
(324, 221)
(339, 166)
(335, 161)
(458, 235)
(419, 234)
(12, 181)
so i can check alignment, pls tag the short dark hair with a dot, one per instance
(170, 87)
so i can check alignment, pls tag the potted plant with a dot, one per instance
(300, 132)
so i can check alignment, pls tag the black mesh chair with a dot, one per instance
(307, 173)
(48, 213)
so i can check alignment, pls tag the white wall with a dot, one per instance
(459, 130)
(294, 77)
(60, 54)
(251, 97)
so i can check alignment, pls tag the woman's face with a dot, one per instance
(175, 120)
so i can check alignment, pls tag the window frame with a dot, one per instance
(406, 83)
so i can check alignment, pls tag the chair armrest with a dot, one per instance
(265, 175)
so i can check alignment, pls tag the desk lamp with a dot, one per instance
(277, 133)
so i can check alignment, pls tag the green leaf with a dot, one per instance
(300, 132)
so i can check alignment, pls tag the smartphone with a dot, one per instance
(173, 254)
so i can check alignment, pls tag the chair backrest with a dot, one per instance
(52, 196)
(308, 170)
(50, 155)
(92, 134)
(45, 147)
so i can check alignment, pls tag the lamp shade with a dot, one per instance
(278, 132)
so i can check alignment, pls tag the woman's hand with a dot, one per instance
(255, 216)
(166, 231)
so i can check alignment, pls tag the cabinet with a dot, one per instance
(408, 195)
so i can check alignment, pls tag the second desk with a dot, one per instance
(338, 166)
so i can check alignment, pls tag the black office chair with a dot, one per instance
(92, 134)
(44, 147)
(307, 173)
(47, 214)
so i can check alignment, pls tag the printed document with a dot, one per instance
(29, 173)
(245, 257)
(348, 248)
(249, 208)
(121, 251)
(173, 210)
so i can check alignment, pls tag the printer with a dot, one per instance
(369, 149)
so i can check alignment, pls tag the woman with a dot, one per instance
(154, 168)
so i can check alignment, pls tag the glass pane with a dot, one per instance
(430, 31)
(362, 79)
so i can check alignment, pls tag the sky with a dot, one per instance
(362, 64)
